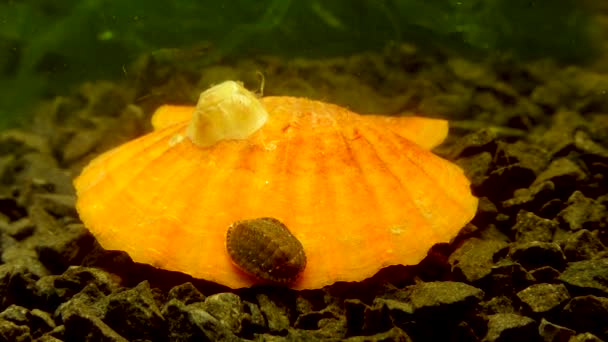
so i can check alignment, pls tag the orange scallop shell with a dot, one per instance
(360, 192)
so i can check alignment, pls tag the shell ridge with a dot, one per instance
(381, 136)
(447, 199)
(373, 137)
(102, 164)
(135, 175)
(371, 190)
(416, 162)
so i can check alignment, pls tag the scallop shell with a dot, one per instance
(360, 192)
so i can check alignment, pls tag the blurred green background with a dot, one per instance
(48, 46)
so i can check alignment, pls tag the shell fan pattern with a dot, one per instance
(359, 192)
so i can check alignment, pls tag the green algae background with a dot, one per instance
(46, 46)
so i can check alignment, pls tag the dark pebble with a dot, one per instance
(87, 303)
(553, 332)
(429, 298)
(276, 316)
(19, 229)
(480, 141)
(587, 275)
(57, 204)
(134, 313)
(16, 314)
(541, 298)
(394, 334)
(537, 254)
(564, 173)
(41, 322)
(17, 286)
(186, 293)
(253, 321)
(193, 323)
(584, 213)
(511, 327)
(532, 198)
(82, 325)
(582, 245)
(11, 332)
(529, 227)
(515, 176)
(58, 251)
(585, 337)
(477, 167)
(545, 274)
(363, 319)
(474, 259)
(587, 313)
(506, 278)
(526, 155)
(227, 308)
(497, 304)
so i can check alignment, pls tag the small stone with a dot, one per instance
(400, 311)
(588, 313)
(16, 314)
(563, 172)
(41, 322)
(134, 314)
(81, 142)
(532, 198)
(21, 228)
(81, 324)
(362, 319)
(506, 278)
(544, 297)
(582, 245)
(57, 204)
(10, 209)
(497, 304)
(536, 254)
(394, 334)
(88, 302)
(276, 316)
(545, 274)
(583, 213)
(476, 167)
(186, 293)
(477, 142)
(12, 332)
(440, 296)
(587, 274)
(585, 337)
(58, 251)
(486, 212)
(17, 286)
(510, 327)
(474, 258)
(502, 182)
(526, 155)
(553, 332)
(320, 320)
(253, 321)
(529, 227)
(206, 325)
(227, 308)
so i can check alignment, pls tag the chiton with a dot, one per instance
(266, 249)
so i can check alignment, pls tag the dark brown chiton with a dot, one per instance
(266, 249)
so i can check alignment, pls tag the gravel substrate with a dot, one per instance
(531, 266)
